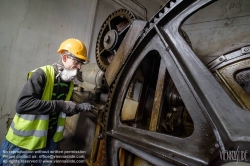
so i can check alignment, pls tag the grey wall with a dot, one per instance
(224, 29)
(30, 34)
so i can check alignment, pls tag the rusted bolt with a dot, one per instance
(221, 59)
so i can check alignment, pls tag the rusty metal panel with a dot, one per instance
(158, 98)
(227, 73)
(80, 97)
(124, 50)
(93, 75)
(129, 109)
(139, 161)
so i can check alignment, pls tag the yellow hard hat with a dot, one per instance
(75, 47)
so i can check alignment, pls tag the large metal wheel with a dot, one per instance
(118, 145)
(158, 111)
(111, 35)
(132, 110)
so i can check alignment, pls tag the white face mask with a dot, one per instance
(68, 74)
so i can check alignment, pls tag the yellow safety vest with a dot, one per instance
(30, 131)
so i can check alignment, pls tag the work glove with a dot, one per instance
(70, 108)
(84, 107)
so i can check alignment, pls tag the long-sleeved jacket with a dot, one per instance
(29, 101)
(39, 107)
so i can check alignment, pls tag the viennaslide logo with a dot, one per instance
(237, 156)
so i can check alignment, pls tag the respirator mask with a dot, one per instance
(67, 74)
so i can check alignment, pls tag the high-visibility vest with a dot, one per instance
(30, 131)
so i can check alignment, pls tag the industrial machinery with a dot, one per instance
(167, 94)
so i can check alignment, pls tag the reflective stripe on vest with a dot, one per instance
(33, 117)
(36, 133)
(30, 131)
(60, 126)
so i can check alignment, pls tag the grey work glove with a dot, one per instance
(70, 108)
(84, 107)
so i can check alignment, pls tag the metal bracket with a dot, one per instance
(245, 50)
(216, 62)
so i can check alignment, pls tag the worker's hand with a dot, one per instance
(84, 107)
(70, 108)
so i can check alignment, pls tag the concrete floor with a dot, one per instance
(69, 143)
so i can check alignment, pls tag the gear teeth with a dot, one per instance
(151, 24)
(155, 20)
(166, 9)
(171, 4)
(122, 13)
(160, 14)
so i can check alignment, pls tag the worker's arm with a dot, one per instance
(29, 101)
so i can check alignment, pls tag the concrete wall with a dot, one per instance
(30, 34)
(224, 29)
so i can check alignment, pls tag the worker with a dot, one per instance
(43, 105)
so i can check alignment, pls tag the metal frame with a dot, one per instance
(215, 128)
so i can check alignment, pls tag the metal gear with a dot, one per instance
(115, 135)
(169, 6)
(111, 35)
(103, 63)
